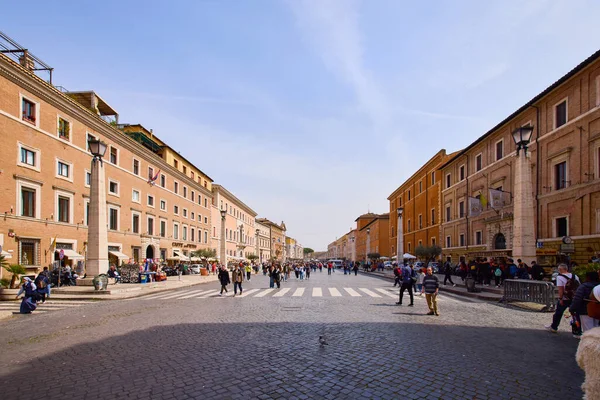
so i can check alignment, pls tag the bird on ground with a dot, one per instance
(322, 341)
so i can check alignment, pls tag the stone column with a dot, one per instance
(223, 255)
(400, 238)
(523, 223)
(368, 244)
(97, 248)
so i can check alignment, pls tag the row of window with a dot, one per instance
(236, 235)
(560, 118)
(234, 212)
(136, 197)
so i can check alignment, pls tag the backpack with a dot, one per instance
(593, 307)
(570, 287)
(498, 272)
(40, 282)
(407, 275)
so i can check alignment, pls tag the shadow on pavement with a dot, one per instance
(282, 360)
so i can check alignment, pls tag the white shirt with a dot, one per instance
(561, 281)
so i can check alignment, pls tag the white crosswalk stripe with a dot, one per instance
(264, 292)
(281, 292)
(49, 306)
(299, 292)
(387, 292)
(208, 294)
(352, 292)
(317, 292)
(370, 293)
(193, 293)
(249, 292)
(334, 292)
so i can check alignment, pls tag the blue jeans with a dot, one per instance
(558, 314)
(235, 287)
(271, 282)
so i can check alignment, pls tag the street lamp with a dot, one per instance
(522, 137)
(223, 256)
(97, 248)
(257, 248)
(400, 238)
(523, 213)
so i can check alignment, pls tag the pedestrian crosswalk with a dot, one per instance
(7, 307)
(315, 292)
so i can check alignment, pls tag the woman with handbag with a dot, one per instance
(584, 301)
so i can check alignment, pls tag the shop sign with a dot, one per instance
(190, 246)
(545, 252)
(567, 248)
(66, 246)
(177, 244)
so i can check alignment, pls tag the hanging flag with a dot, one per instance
(475, 207)
(496, 198)
(53, 244)
(483, 200)
(154, 178)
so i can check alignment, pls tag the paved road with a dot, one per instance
(190, 344)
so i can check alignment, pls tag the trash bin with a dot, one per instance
(143, 278)
(470, 283)
(203, 272)
(100, 282)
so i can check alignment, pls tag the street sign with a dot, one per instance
(61, 254)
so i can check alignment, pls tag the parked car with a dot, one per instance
(388, 265)
(195, 268)
(336, 263)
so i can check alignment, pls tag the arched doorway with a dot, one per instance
(150, 252)
(499, 242)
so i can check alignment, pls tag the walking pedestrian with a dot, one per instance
(271, 277)
(497, 275)
(355, 269)
(42, 283)
(567, 284)
(448, 273)
(248, 272)
(397, 276)
(537, 272)
(420, 278)
(237, 277)
(431, 285)
(307, 268)
(407, 284)
(580, 302)
(224, 279)
(277, 276)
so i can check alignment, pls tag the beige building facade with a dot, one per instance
(277, 234)
(240, 225)
(45, 177)
(264, 241)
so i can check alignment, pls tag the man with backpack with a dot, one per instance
(567, 284)
(581, 300)
(408, 277)
(42, 284)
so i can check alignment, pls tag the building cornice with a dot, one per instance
(218, 188)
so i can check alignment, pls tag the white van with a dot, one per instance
(336, 263)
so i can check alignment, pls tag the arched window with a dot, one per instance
(499, 242)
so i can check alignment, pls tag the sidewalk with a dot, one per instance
(129, 290)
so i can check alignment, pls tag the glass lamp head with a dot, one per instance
(97, 147)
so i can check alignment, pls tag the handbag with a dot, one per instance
(593, 307)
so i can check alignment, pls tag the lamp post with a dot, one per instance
(97, 247)
(523, 214)
(400, 239)
(368, 245)
(223, 256)
(353, 248)
(257, 248)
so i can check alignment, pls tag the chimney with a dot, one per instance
(26, 61)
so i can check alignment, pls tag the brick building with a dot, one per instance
(372, 235)
(156, 209)
(419, 198)
(565, 161)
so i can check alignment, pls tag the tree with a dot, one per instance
(252, 257)
(428, 253)
(373, 256)
(307, 251)
(206, 253)
(15, 270)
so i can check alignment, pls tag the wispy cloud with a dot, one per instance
(332, 28)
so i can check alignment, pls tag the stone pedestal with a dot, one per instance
(222, 253)
(524, 222)
(97, 248)
(400, 238)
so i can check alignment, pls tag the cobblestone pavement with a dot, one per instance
(191, 346)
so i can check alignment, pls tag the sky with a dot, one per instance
(312, 112)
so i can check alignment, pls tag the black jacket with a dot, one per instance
(224, 277)
(579, 305)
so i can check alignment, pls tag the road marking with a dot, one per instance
(192, 293)
(334, 292)
(248, 292)
(370, 293)
(172, 296)
(160, 295)
(352, 292)
(299, 292)
(208, 294)
(264, 293)
(387, 293)
(317, 292)
(281, 292)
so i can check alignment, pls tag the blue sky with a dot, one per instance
(310, 111)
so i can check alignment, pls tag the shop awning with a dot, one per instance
(6, 254)
(195, 258)
(72, 255)
(119, 255)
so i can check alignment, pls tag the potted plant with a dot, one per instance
(9, 292)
